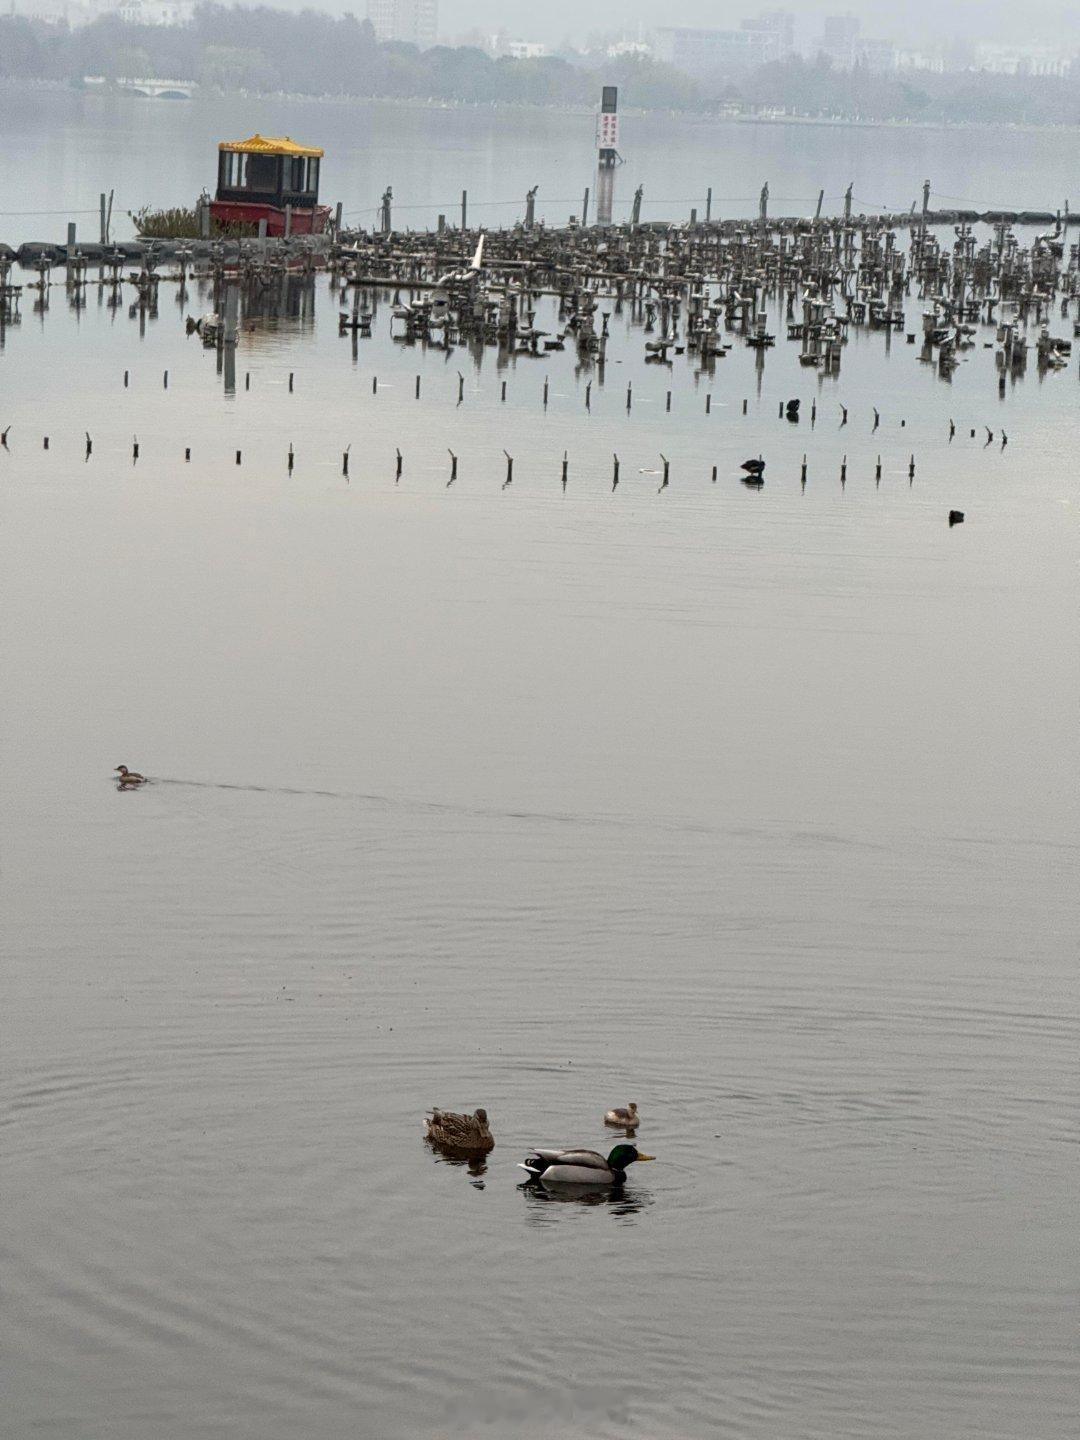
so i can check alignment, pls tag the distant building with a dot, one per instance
(838, 38)
(416, 22)
(1025, 59)
(877, 55)
(779, 26)
(703, 52)
(525, 50)
(154, 12)
(636, 49)
(920, 60)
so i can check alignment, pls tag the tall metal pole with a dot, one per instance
(607, 139)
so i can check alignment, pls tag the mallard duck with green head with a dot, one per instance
(582, 1167)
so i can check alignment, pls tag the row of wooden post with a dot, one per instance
(290, 460)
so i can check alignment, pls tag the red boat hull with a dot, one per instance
(240, 212)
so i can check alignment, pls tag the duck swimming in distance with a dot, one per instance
(129, 778)
(459, 1132)
(582, 1167)
(626, 1119)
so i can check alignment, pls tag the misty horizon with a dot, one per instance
(1046, 22)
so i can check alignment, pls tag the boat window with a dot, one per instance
(233, 170)
(262, 172)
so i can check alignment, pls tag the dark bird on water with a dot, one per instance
(625, 1116)
(129, 779)
(753, 467)
(459, 1132)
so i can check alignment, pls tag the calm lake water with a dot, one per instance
(63, 148)
(758, 808)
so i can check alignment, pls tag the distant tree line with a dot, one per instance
(311, 53)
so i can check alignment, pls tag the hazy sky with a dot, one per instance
(1049, 20)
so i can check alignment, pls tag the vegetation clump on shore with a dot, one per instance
(181, 223)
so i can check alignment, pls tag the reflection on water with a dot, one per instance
(620, 1200)
(758, 808)
(475, 1164)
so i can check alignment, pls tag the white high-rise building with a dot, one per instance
(414, 21)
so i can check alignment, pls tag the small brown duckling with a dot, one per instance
(627, 1119)
(129, 778)
(459, 1132)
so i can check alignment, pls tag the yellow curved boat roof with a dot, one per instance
(270, 145)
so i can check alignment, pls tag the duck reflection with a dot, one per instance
(475, 1163)
(617, 1199)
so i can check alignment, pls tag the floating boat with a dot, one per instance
(271, 178)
